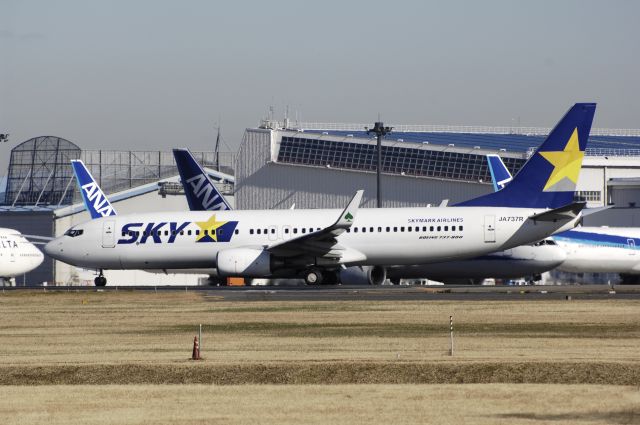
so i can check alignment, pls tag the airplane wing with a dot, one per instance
(322, 242)
(563, 213)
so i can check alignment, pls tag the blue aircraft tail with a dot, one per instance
(548, 179)
(500, 175)
(94, 199)
(202, 194)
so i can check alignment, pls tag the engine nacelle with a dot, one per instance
(245, 262)
(363, 275)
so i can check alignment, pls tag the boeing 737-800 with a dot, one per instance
(271, 243)
(17, 255)
(527, 260)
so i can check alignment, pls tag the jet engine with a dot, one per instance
(246, 262)
(363, 275)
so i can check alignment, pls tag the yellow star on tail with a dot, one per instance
(210, 226)
(566, 163)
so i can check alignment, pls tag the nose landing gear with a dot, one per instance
(100, 280)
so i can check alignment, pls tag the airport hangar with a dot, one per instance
(309, 165)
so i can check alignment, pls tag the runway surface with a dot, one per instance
(378, 293)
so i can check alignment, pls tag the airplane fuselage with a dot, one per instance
(398, 236)
(601, 250)
(17, 254)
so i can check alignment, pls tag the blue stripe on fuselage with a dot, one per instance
(597, 239)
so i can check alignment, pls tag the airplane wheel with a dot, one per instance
(313, 277)
(100, 281)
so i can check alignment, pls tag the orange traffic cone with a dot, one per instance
(196, 349)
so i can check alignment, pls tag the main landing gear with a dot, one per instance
(100, 280)
(316, 276)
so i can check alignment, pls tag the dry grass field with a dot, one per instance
(59, 349)
(320, 404)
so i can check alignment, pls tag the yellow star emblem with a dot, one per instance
(566, 163)
(209, 228)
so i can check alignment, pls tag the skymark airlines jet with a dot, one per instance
(590, 249)
(272, 243)
(17, 255)
(527, 260)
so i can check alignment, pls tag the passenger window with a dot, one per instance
(303, 230)
(189, 232)
(206, 232)
(181, 232)
(402, 229)
(311, 229)
(439, 228)
(295, 230)
(273, 231)
(388, 229)
(446, 228)
(236, 231)
(379, 229)
(409, 229)
(355, 230)
(424, 228)
(259, 230)
(395, 229)
(453, 228)
(286, 230)
(364, 230)
(220, 231)
(251, 231)
(431, 229)
(460, 228)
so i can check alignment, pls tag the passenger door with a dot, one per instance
(489, 228)
(108, 234)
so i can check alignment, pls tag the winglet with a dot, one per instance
(95, 201)
(349, 213)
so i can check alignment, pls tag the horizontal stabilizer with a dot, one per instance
(567, 212)
(589, 211)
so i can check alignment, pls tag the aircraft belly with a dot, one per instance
(473, 268)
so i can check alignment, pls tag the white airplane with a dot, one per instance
(269, 243)
(527, 260)
(17, 255)
(591, 249)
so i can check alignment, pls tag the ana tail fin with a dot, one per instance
(500, 175)
(548, 179)
(202, 194)
(95, 201)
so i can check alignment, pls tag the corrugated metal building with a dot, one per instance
(321, 166)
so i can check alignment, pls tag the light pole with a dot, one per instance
(380, 131)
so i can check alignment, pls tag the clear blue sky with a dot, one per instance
(157, 74)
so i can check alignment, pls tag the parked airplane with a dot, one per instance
(17, 255)
(527, 260)
(591, 249)
(271, 243)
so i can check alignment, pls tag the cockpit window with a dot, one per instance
(74, 232)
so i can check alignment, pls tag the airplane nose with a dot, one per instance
(52, 248)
